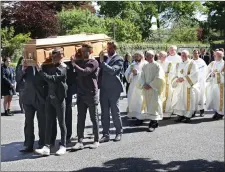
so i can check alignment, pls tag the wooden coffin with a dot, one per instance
(39, 50)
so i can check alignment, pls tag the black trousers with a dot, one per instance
(20, 100)
(30, 111)
(55, 109)
(68, 117)
(127, 84)
(82, 107)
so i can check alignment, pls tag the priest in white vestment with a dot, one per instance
(168, 68)
(202, 67)
(135, 97)
(173, 56)
(152, 83)
(215, 86)
(184, 96)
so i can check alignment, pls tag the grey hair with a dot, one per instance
(221, 53)
(163, 53)
(173, 47)
(150, 53)
(139, 53)
(186, 52)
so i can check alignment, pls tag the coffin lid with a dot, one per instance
(69, 39)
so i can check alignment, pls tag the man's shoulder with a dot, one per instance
(63, 65)
(118, 57)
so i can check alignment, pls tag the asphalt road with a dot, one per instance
(198, 146)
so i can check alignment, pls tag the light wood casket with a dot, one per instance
(40, 50)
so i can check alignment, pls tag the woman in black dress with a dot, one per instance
(8, 85)
(19, 82)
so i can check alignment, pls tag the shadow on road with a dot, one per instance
(147, 165)
(10, 152)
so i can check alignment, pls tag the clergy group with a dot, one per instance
(174, 85)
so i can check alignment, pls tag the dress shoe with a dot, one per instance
(153, 125)
(180, 118)
(139, 122)
(219, 117)
(104, 139)
(45, 151)
(187, 120)
(61, 151)
(193, 115)
(215, 116)
(118, 138)
(95, 145)
(202, 113)
(78, 146)
(27, 150)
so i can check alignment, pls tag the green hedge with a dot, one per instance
(132, 48)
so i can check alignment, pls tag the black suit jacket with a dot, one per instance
(34, 87)
(206, 58)
(55, 76)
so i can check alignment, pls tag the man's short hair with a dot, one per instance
(58, 50)
(140, 53)
(113, 43)
(186, 52)
(150, 53)
(195, 50)
(163, 53)
(173, 47)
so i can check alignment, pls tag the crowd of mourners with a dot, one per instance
(157, 86)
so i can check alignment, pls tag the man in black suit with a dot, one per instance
(72, 89)
(110, 90)
(205, 57)
(55, 104)
(33, 98)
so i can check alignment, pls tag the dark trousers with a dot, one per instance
(30, 111)
(110, 102)
(127, 84)
(68, 117)
(20, 100)
(82, 107)
(55, 109)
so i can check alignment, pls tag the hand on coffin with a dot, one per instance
(24, 65)
(38, 66)
(102, 56)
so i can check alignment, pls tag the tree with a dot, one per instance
(30, 16)
(124, 30)
(216, 16)
(13, 44)
(77, 21)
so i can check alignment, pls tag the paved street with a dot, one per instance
(198, 146)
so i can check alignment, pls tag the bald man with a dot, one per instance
(184, 101)
(215, 86)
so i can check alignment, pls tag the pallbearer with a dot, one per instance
(152, 83)
(202, 67)
(215, 86)
(135, 97)
(168, 68)
(184, 83)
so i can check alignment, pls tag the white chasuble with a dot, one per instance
(215, 87)
(202, 67)
(153, 75)
(134, 96)
(168, 68)
(184, 100)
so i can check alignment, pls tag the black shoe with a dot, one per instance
(118, 138)
(180, 118)
(27, 150)
(153, 125)
(139, 122)
(193, 115)
(104, 139)
(187, 120)
(219, 117)
(215, 116)
(202, 113)
(9, 113)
